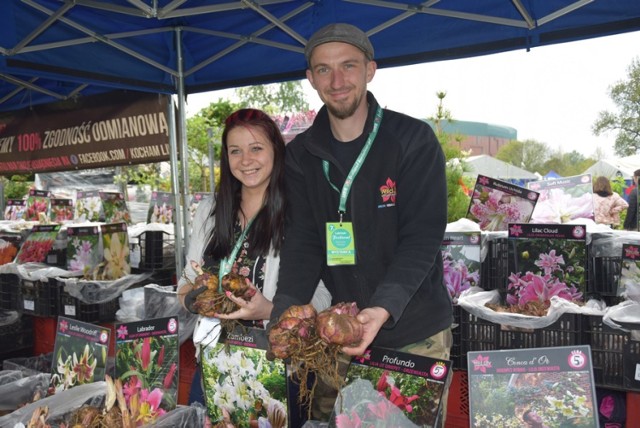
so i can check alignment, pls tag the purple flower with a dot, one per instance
(496, 212)
(457, 277)
(549, 262)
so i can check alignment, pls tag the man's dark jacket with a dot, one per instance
(398, 206)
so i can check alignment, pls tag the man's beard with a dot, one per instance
(344, 111)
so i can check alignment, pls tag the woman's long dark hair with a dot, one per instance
(268, 227)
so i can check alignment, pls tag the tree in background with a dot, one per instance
(538, 157)
(17, 186)
(203, 129)
(529, 154)
(206, 126)
(276, 98)
(626, 96)
(567, 164)
(457, 184)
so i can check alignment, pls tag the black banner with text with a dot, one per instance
(119, 128)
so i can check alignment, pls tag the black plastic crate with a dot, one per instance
(16, 337)
(478, 334)
(157, 250)
(163, 277)
(457, 357)
(566, 331)
(10, 298)
(39, 298)
(608, 346)
(603, 276)
(495, 270)
(632, 363)
(72, 307)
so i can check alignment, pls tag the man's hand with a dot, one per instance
(372, 320)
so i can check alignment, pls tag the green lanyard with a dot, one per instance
(226, 263)
(346, 187)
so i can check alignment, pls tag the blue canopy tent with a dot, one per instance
(63, 49)
(552, 174)
(56, 49)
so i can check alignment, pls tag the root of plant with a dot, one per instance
(111, 416)
(312, 343)
(536, 309)
(213, 300)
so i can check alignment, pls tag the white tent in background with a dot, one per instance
(495, 168)
(615, 167)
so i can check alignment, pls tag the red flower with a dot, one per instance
(168, 379)
(145, 353)
(382, 382)
(161, 356)
(402, 402)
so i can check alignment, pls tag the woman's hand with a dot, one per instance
(257, 308)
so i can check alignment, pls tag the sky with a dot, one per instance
(551, 94)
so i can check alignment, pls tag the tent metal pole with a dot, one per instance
(175, 186)
(184, 150)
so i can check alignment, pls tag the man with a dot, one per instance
(631, 220)
(366, 191)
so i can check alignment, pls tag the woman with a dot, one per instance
(251, 187)
(607, 205)
(243, 230)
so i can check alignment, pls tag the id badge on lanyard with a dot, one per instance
(341, 246)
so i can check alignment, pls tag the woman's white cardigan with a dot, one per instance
(203, 224)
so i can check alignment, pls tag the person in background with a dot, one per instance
(607, 205)
(375, 179)
(631, 220)
(244, 227)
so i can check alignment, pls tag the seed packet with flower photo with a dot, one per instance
(195, 201)
(79, 354)
(16, 209)
(61, 210)
(9, 246)
(629, 270)
(161, 208)
(38, 244)
(387, 388)
(537, 387)
(147, 362)
(563, 199)
(496, 203)
(241, 384)
(461, 260)
(115, 251)
(38, 203)
(115, 208)
(88, 206)
(83, 249)
(546, 260)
